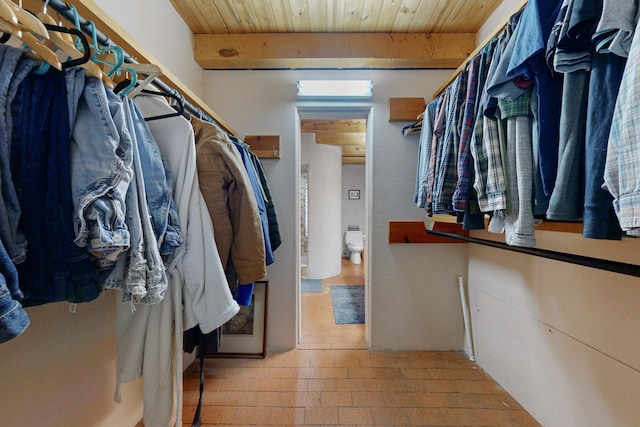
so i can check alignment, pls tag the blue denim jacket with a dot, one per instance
(13, 70)
(101, 167)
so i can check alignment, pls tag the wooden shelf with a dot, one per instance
(415, 232)
(559, 226)
(264, 146)
(405, 109)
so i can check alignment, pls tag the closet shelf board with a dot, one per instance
(415, 232)
(264, 146)
(405, 109)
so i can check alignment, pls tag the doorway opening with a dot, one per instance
(333, 213)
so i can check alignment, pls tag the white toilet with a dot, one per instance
(355, 244)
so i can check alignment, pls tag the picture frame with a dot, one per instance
(245, 335)
(354, 194)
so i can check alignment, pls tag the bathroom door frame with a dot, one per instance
(337, 110)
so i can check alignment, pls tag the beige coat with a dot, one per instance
(226, 188)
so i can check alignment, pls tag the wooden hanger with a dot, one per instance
(8, 19)
(27, 21)
(29, 30)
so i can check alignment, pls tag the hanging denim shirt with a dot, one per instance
(528, 61)
(600, 220)
(101, 170)
(13, 69)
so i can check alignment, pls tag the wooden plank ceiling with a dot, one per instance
(388, 34)
(350, 134)
(334, 34)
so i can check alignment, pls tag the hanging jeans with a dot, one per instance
(140, 271)
(101, 173)
(13, 319)
(55, 268)
(13, 69)
(158, 186)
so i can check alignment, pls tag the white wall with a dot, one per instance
(562, 339)
(414, 297)
(159, 28)
(325, 177)
(61, 371)
(353, 211)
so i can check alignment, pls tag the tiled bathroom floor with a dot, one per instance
(319, 330)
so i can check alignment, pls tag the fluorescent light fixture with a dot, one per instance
(335, 89)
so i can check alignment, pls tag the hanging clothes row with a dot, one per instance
(101, 191)
(523, 132)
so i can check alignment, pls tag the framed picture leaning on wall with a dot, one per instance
(245, 335)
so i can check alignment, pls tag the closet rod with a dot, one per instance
(481, 46)
(65, 10)
(598, 263)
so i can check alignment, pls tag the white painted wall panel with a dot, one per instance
(414, 296)
(558, 379)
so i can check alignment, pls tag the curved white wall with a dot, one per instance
(325, 219)
(353, 211)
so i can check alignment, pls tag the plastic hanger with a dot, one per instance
(48, 19)
(67, 45)
(106, 80)
(132, 82)
(173, 95)
(110, 56)
(151, 71)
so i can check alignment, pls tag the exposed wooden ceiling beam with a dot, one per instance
(338, 125)
(353, 160)
(341, 138)
(353, 151)
(332, 50)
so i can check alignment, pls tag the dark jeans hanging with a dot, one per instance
(55, 268)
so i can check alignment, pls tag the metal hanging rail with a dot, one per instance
(598, 263)
(67, 12)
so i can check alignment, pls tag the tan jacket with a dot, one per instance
(226, 188)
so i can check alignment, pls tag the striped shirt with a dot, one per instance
(622, 170)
